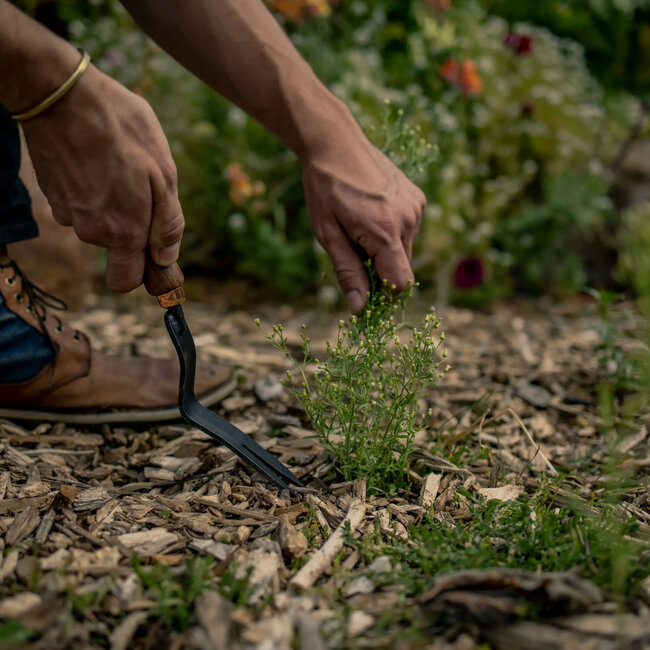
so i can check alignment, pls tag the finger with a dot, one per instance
(124, 269)
(349, 268)
(410, 231)
(392, 264)
(167, 223)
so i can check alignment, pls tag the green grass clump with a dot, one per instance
(364, 397)
(530, 533)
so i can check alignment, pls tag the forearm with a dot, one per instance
(238, 48)
(33, 61)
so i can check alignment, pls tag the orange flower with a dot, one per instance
(241, 187)
(470, 82)
(296, 9)
(463, 76)
(317, 8)
(291, 9)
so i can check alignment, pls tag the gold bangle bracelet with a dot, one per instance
(62, 90)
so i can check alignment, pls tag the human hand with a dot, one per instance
(103, 162)
(358, 196)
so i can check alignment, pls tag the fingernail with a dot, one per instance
(355, 302)
(168, 255)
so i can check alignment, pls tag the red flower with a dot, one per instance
(519, 43)
(469, 273)
(449, 71)
(440, 6)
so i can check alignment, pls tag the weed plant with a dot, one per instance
(175, 593)
(403, 143)
(531, 533)
(363, 399)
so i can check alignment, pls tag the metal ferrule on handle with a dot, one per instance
(165, 283)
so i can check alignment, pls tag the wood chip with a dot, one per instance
(90, 499)
(24, 524)
(122, 635)
(148, 542)
(321, 559)
(503, 493)
(18, 605)
(17, 505)
(429, 490)
(213, 613)
(358, 623)
(218, 550)
(292, 540)
(9, 565)
(262, 566)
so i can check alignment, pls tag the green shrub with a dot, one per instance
(517, 130)
(364, 398)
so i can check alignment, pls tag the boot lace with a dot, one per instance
(38, 302)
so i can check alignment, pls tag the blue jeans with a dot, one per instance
(16, 220)
(24, 351)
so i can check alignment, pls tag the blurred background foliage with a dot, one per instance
(531, 109)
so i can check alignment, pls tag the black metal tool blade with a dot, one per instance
(211, 423)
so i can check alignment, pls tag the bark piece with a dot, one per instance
(45, 526)
(24, 524)
(291, 539)
(634, 629)
(56, 560)
(213, 612)
(490, 596)
(35, 489)
(262, 566)
(322, 558)
(148, 542)
(17, 505)
(382, 564)
(69, 492)
(503, 493)
(309, 633)
(273, 633)
(218, 550)
(18, 605)
(429, 490)
(538, 636)
(122, 635)
(268, 388)
(358, 623)
(360, 585)
(9, 565)
(90, 499)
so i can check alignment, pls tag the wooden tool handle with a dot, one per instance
(165, 283)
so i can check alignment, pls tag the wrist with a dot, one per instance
(34, 61)
(330, 130)
(41, 76)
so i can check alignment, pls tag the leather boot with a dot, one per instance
(83, 386)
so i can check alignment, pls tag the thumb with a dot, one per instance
(350, 271)
(167, 225)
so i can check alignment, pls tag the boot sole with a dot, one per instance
(117, 417)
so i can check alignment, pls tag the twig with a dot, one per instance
(322, 557)
(532, 442)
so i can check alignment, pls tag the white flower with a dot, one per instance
(328, 295)
(237, 222)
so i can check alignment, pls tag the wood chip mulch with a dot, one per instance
(78, 503)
